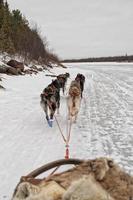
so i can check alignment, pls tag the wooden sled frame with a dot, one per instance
(32, 175)
(53, 164)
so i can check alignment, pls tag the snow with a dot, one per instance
(104, 126)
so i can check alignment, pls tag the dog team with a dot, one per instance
(50, 97)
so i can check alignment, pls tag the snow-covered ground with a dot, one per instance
(104, 126)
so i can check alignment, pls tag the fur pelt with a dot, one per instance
(99, 179)
(43, 191)
(86, 188)
(117, 183)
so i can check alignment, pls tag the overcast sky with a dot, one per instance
(82, 28)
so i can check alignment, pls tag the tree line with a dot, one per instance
(18, 38)
(126, 58)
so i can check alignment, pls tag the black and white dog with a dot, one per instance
(63, 80)
(50, 100)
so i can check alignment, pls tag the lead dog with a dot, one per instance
(63, 80)
(74, 100)
(81, 79)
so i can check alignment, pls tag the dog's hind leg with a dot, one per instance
(64, 87)
(58, 103)
(77, 106)
(69, 106)
(75, 118)
(58, 112)
(46, 111)
(52, 111)
(69, 114)
(45, 108)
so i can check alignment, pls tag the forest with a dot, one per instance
(17, 37)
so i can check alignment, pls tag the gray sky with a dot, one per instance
(82, 28)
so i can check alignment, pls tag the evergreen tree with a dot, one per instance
(16, 36)
(1, 3)
(6, 44)
(1, 12)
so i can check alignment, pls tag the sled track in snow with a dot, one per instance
(106, 120)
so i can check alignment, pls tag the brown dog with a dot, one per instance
(74, 100)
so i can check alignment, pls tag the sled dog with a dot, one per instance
(81, 79)
(63, 80)
(74, 100)
(50, 99)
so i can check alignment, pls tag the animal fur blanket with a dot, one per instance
(99, 179)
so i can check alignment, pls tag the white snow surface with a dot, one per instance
(104, 126)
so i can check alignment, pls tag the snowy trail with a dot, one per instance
(110, 104)
(104, 126)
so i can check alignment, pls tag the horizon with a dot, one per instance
(82, 29)
(99, 57)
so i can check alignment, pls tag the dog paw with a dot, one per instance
(50, 123)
